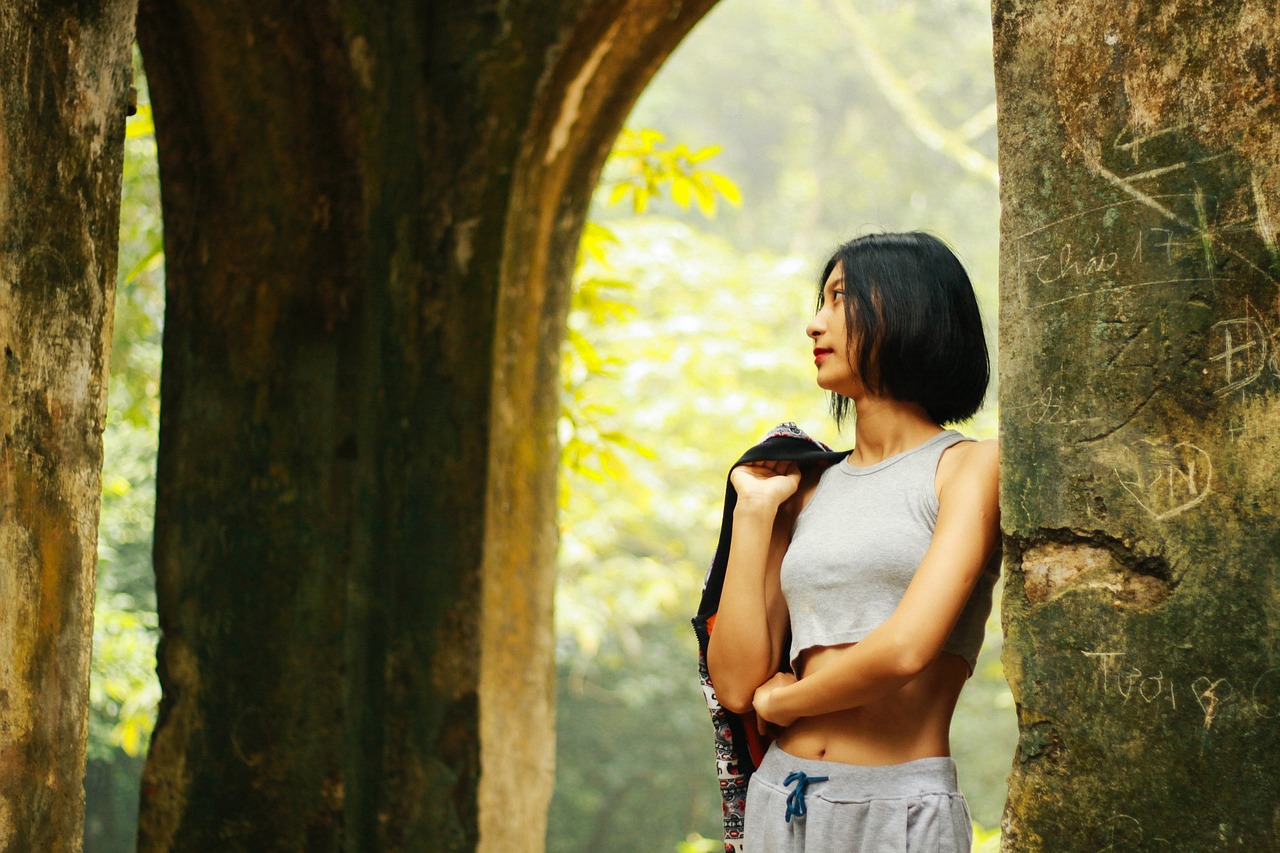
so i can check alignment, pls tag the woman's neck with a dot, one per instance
(885, 427)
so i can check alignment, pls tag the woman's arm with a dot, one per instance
(907, 642)
(746, 643)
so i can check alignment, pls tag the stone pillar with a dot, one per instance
(64, 83)
(1140, 414)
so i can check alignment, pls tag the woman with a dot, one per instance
(878, 569)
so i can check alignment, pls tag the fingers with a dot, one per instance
(758, 702)
(767, 471)
(772, 466)
(762, 724)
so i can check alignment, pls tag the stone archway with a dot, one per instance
(371, 216)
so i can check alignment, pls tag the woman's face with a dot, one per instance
(827, 330)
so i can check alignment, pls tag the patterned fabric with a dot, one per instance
(738, 749)
(788, 429)
(733, 781)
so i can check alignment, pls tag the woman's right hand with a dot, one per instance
(767, 483)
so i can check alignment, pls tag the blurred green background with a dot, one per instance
(777, 131)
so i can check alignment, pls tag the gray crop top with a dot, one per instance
(856, 546)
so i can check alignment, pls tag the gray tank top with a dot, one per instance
(856, 546)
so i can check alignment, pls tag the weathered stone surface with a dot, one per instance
(1140, 395)
(64, 82)
(371, 215)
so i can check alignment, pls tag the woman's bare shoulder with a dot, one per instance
(985, 453)
(970, 461)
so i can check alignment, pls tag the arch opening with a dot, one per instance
(844, 132)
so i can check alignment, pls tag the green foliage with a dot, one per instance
(631, 740)
(123, 691)
(641, 169)
(986, 840)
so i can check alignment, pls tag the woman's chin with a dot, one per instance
(844, 389)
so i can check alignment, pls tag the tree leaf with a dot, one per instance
(728, 189)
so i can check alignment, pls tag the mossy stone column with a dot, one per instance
(371, 215)
(1140, 414)
(64, 94)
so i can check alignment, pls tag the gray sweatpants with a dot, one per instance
(797, 805)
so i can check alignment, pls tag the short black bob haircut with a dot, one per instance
(914, 331)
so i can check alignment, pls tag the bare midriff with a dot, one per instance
(912, 722)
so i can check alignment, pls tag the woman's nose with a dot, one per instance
(814, 329)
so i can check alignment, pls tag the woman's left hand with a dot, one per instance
(761, 701)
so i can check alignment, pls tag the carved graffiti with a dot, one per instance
(1244, 348)
(1165, 478)
(1117, 678)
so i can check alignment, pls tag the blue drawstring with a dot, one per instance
(795, 800)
